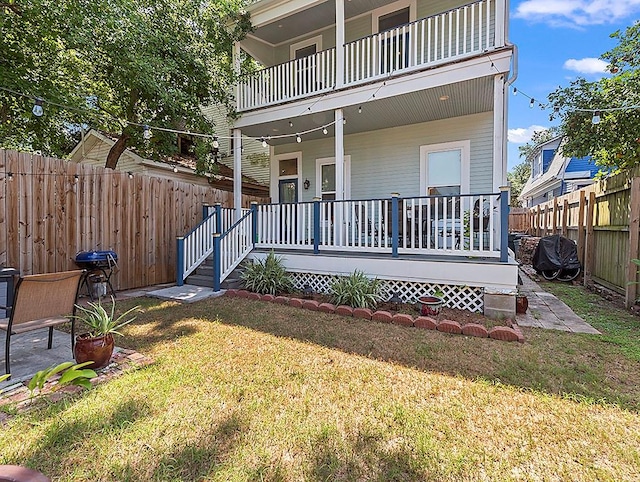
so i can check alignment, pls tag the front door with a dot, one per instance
(288, 191)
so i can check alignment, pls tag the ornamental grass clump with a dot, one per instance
(267, 276)
(356, 290)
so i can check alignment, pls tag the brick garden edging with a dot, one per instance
(504, 333)
(122, 360)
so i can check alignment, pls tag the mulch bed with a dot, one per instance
(123, 360)
(461, 316)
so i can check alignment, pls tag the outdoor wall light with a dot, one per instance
(306, 184)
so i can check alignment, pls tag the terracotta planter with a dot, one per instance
(522, 303)
(430, 305)
(98, 350)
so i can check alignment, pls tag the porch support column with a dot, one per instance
(339, 43)
(339, 140)
(339, 129)
(237, 172)
(499, 133)
(499, 151)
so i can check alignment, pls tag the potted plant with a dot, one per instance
(431, 305)
(97, 345)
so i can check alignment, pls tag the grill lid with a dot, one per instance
(93, 256)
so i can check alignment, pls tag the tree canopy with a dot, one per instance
(115, 65)
(614, 141)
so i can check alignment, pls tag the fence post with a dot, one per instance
(254, 223)
(565, 218)
(581, 227)
(180, 260)
(394, 224)
(589, 240)
(218, 208)
(539, 223)
(205, 211)
(554, 223)
(216, 262)
(634, 235)
(504, 224)
(316, 225)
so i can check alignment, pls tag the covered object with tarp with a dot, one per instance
(556, 254)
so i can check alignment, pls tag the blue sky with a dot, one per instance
(558, 41)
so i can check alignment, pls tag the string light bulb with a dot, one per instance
(215, 143)
(324, 130)
(298, 138)
(360, 110)
(146, 133)
(290, 124)
(515, 91)
(596, 118)
(264, 142)
(344, 121)
(175, 169)
(37, 108)
(130, 175)
(532, 103)
(10, 176)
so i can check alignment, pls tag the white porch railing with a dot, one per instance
(460, 32)
(452, 35)
(235, 244)
(291, 80)
(464, 225)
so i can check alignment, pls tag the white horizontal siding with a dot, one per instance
(388, 160)
(251, 146)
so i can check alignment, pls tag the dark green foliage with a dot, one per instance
(356, 290)
(267, 276)
(614, 142)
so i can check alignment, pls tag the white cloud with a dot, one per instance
(588, 65)
(523, 135)
(577, 12)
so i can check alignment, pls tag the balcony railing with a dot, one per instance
(452, 35)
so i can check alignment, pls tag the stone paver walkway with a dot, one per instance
(547, 311)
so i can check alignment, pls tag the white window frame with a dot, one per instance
(392, 7)
(317, 40)
(275, 173)
(324, 161)
(465, 166)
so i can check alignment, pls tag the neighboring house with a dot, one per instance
(359, 100)
(95, 146)
(553, 174)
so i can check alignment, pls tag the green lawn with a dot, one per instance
(246, 390)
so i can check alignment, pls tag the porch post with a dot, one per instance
(339, 130)
(394, 224)
(216, 262)
(218, 211)
(316, 225)
(499, 133)
(205, 211)
(339, 43)
(179, 260)
(254, 223)
(501, 22)
(237, 172)
(504, 223)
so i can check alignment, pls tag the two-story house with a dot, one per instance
(386, 126)
(553, 174)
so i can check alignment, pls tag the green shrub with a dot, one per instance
(356, 290)
(267, 276)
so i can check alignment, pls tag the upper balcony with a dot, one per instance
(408, 46)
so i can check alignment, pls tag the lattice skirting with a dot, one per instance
(462, 297)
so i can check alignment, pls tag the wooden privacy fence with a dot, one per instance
(50, 209)
(519, 220)
(604, 221)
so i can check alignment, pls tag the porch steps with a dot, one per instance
(203, 276)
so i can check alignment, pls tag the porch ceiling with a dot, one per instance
(317, 17)
(464, 98)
